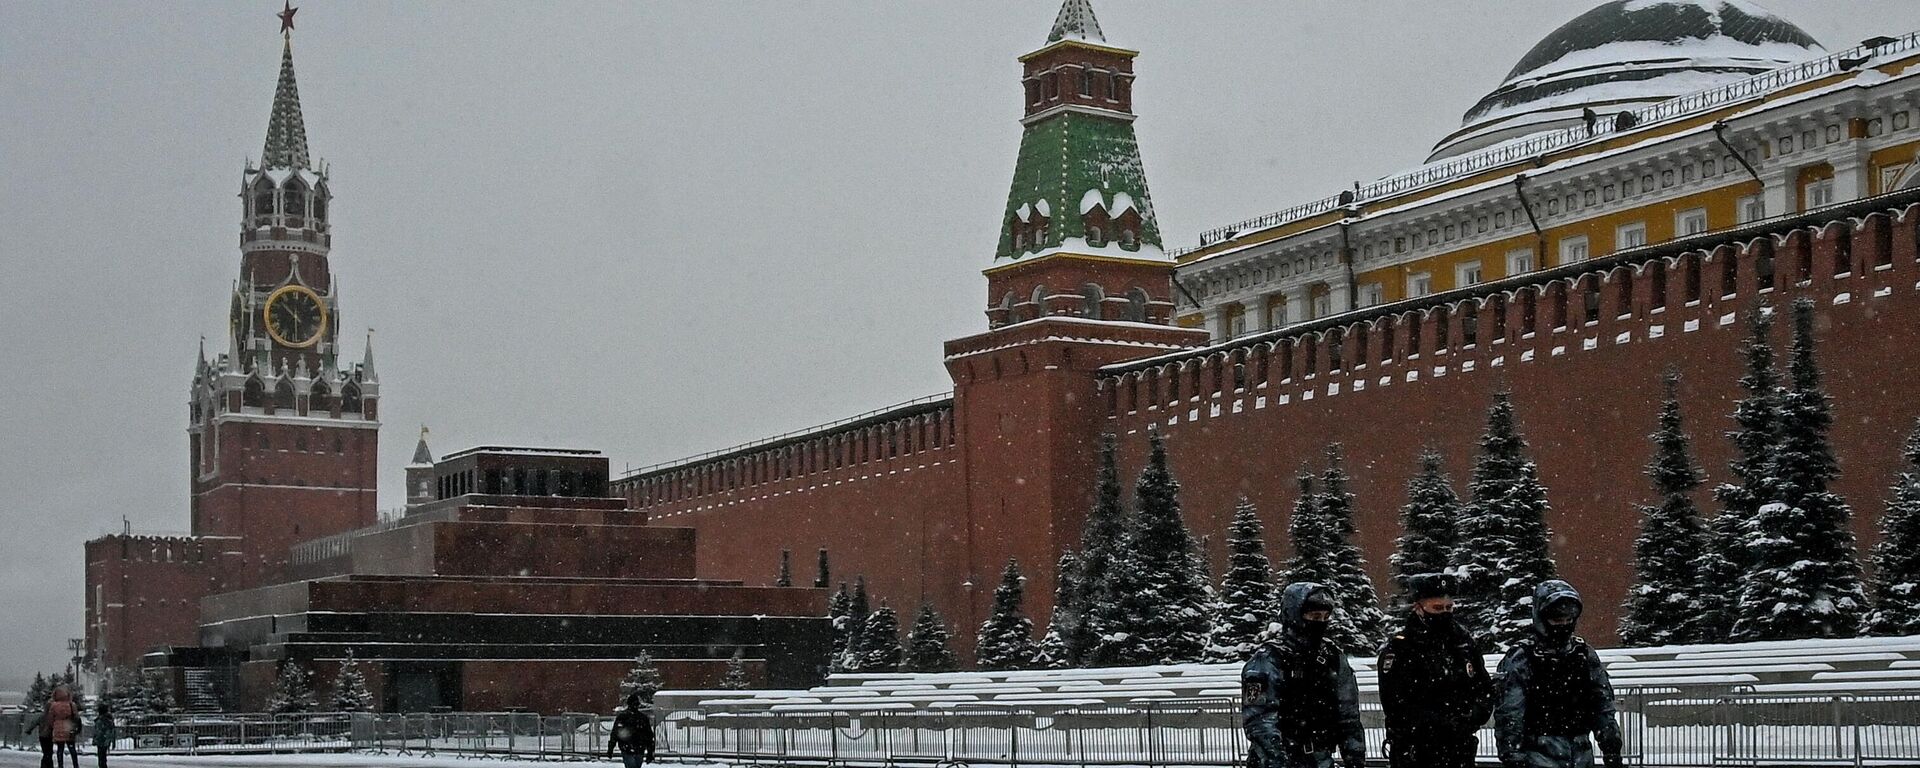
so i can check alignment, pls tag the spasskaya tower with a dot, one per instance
(284, 428)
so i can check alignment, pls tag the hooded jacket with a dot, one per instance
(1552, 695)
(1309, 684)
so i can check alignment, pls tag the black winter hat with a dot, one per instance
(1421, 586)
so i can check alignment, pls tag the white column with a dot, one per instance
(1216, 321)
(1850, 174)
(1299, 304)
(1777, 191)
(1340, 294)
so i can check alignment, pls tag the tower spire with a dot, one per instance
(286, 130)
(1076, 22)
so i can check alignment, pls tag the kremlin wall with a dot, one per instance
(1649, 173)
(1570, 264)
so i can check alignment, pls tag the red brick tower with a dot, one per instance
(1079, 280)
(283, 431)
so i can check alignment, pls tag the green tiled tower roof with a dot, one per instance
(1063, 158)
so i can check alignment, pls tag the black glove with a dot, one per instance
(1614, 761)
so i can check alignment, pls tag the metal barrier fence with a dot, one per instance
(1665, 727)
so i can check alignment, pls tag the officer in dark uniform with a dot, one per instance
(1554, 692)
(1299, 701)
(1434, 686)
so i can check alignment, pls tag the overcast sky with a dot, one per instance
(648, 228)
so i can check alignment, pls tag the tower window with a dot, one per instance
(1086, 83)
(254, 395)
(350, 400)
(1129, 239)
(1095, 237)
(320, 203)
(263, 199)
(319, 398)
(295, 199)
(283, 396)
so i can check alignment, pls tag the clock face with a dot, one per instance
(295, 316)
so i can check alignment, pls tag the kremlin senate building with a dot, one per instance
(1644, 177)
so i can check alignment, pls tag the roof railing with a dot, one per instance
(1509, 152)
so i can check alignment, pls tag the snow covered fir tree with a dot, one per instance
(292, 690)
(643, 679)
(1664, 607)
(840, 620)
(1361, 625)
(1896, 559)
(929, 645)
(1104, 548)
(1246, 597)
(1005, 639)
(1156, 609)
(350, 692)
(1053, 651)
(1429, 526)
(878, 649)
(1802, 577)
(1756, 420)
(735, 678)
(1503, 537)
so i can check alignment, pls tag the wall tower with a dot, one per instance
(283, 429)
(1078, 280)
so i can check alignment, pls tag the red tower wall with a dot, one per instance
(144, 591)
(1586, 396)
(275, 484)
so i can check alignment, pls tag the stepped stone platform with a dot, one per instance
(502, 600)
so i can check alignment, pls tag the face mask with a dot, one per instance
(1438, 622)
(1312, 631)
(1558, 634)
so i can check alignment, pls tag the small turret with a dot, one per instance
(420, 473)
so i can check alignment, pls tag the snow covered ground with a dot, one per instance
(18, 759)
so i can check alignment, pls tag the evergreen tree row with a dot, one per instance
(1781, 536)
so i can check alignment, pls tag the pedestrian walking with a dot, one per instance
(62, 723)
(1299, 698)
(104, 731)
(1554, 692)
(1434, 687)
(632, 734)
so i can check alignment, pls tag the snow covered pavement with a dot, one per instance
(17, 759)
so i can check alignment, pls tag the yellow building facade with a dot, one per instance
(1582, 170)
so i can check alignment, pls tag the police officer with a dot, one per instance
(1299, 698)
(1554, 691)
(1434, 686)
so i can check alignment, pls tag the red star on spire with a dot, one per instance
(286, 17)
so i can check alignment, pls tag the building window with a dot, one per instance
(1519, 261)
(1137, 305)
(1277, 314)
(1419, 284)
(1752, 208)
(1373, 294)
(1691, 222)
(1630, 235)
(1236, 321)
(1466, 274)
(1573, 249)
(1819, 193)
(1322, 305)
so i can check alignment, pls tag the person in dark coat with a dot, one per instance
(1434, 686)
(633, 734)
(1554, 692)
(1299, 700)
(104, 731)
